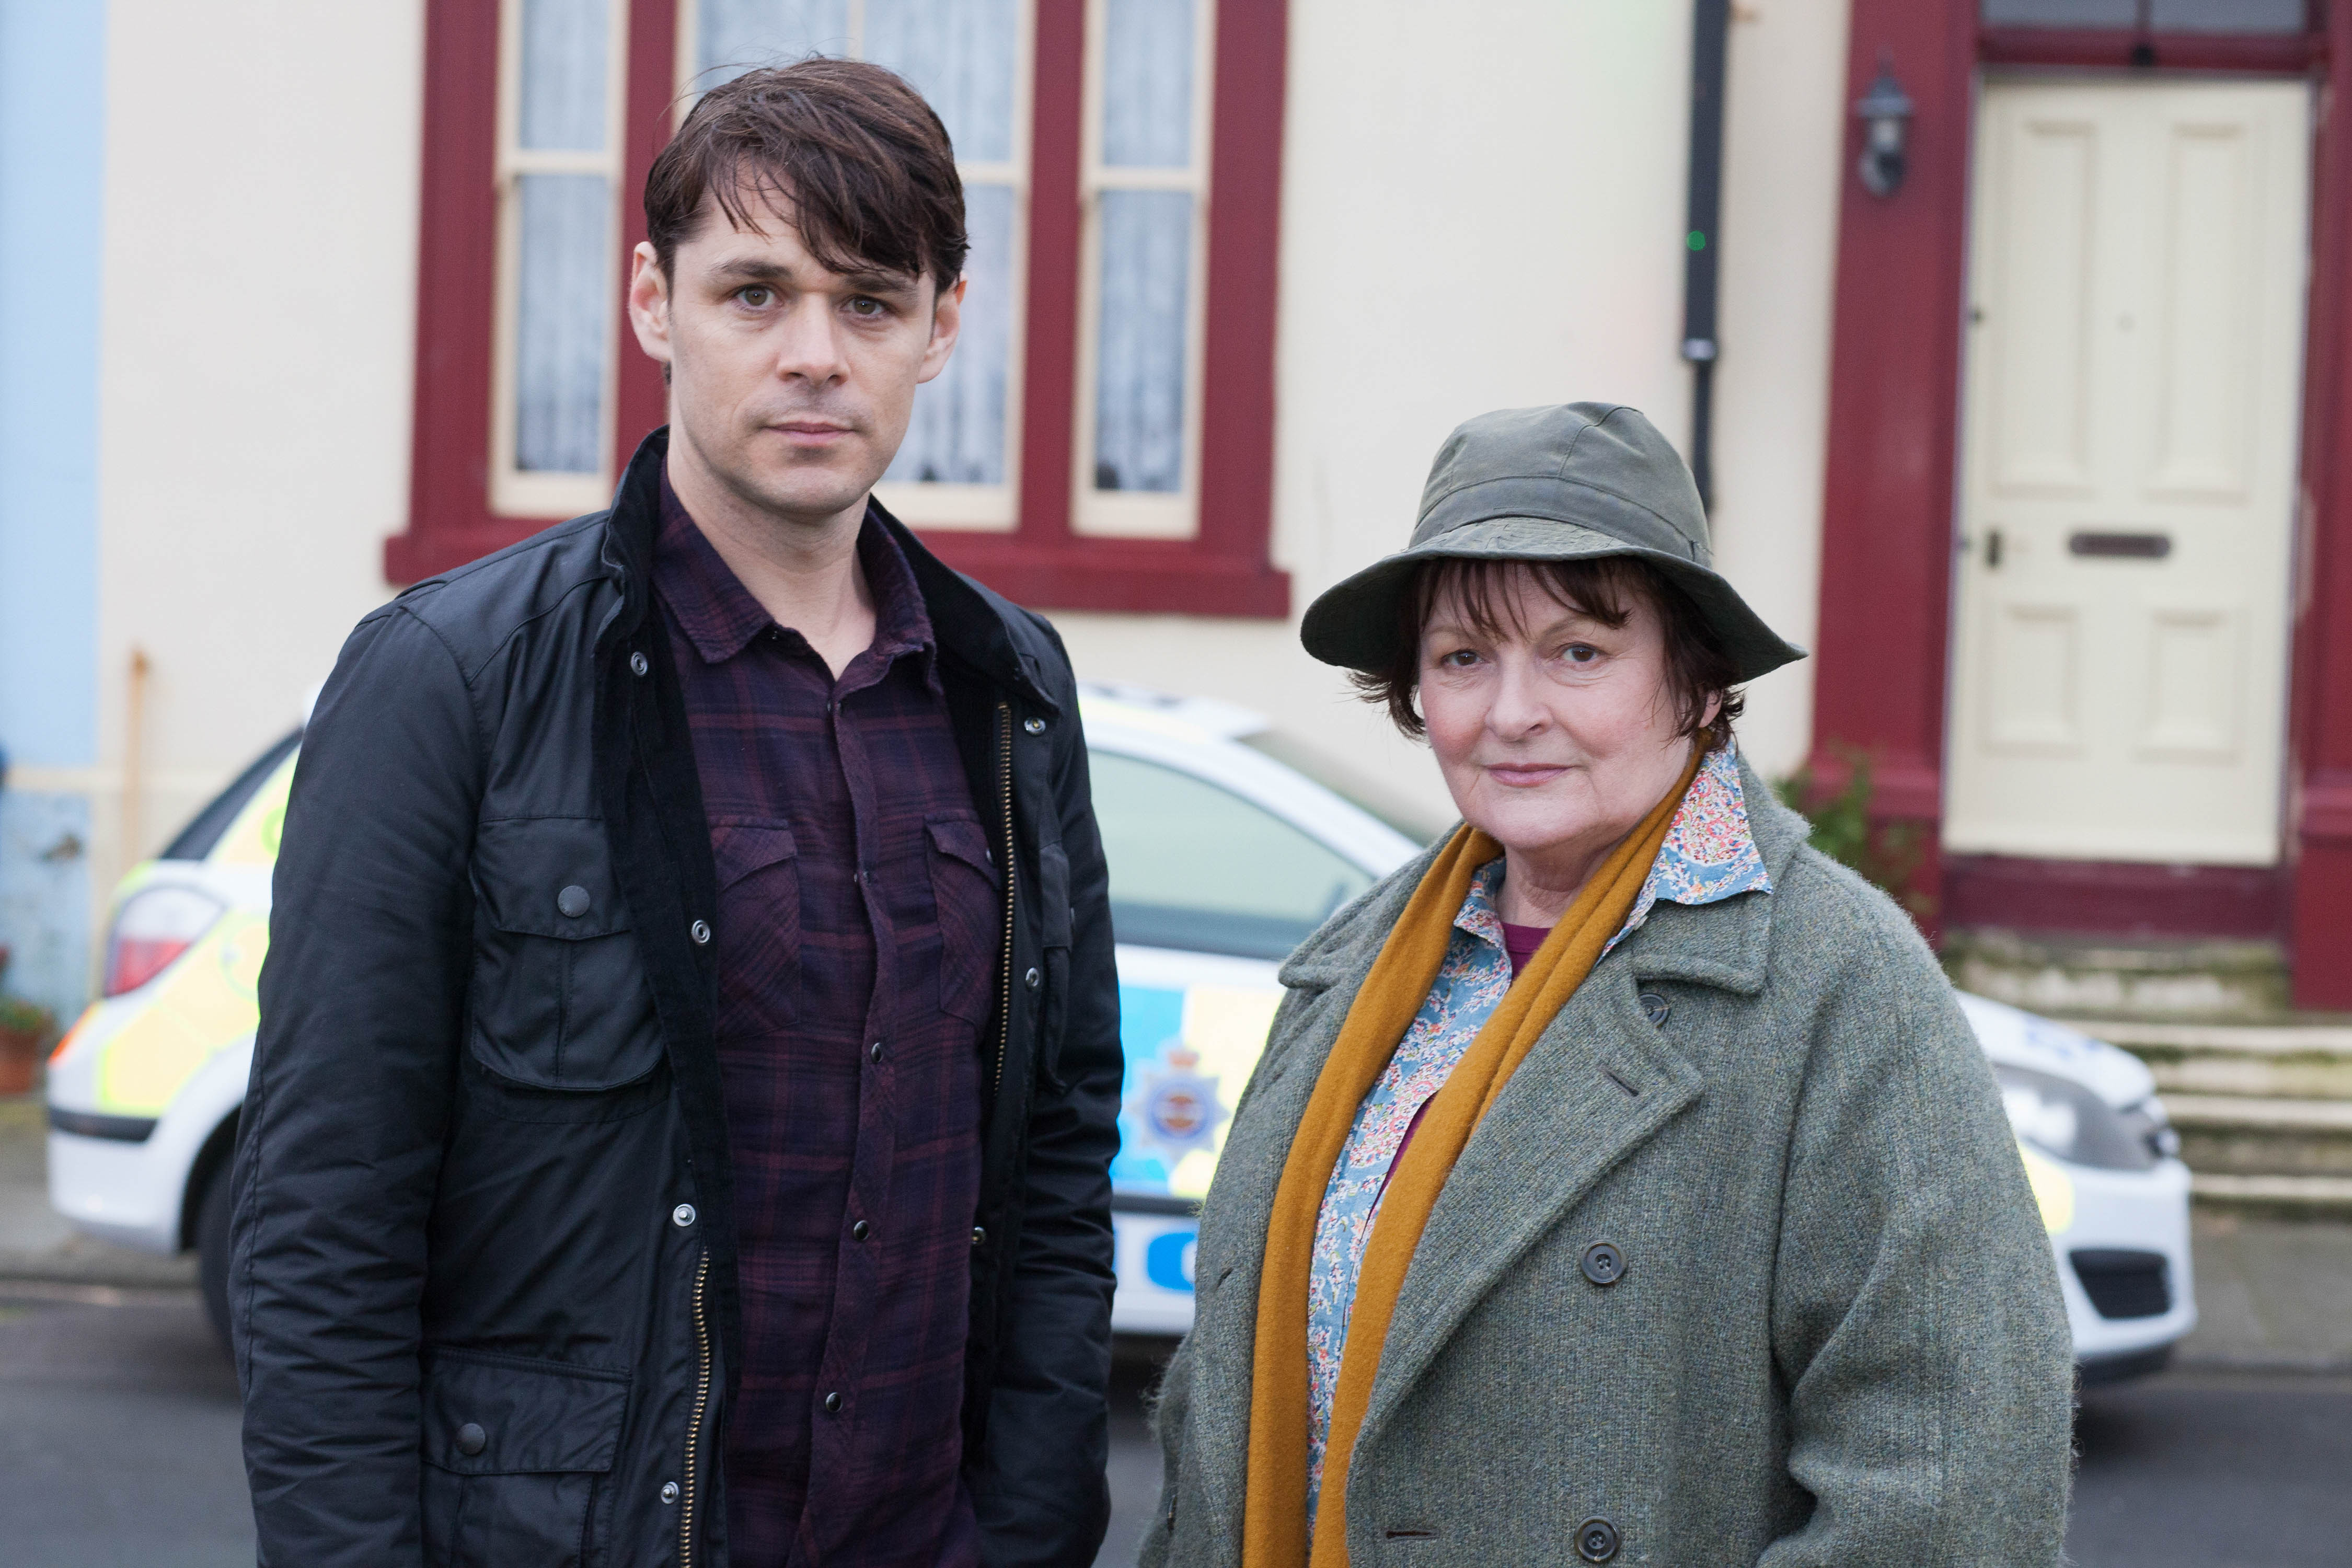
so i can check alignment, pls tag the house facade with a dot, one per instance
(315, 302)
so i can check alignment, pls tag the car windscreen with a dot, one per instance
(196, 839)
(1385, 802)
(1195, 866)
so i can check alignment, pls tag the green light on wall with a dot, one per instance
(1696, 240)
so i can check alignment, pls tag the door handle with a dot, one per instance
(2119, 546)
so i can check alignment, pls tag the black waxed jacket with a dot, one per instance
(483, 1284)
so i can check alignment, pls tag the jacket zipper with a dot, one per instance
(1004, 756)
(701, 1402)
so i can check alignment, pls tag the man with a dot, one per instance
(680, 1121)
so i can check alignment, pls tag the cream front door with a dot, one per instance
(2128, 470)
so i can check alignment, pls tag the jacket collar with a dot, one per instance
(971, 625)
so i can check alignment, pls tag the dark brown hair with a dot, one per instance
(847, 149)
(1699, 670)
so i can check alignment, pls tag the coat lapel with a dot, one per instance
(1599, 1084)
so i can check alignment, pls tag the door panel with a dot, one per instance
(2207, 318)
(2135, 357)
(2041, 384)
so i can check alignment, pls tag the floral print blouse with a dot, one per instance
(1708, 855)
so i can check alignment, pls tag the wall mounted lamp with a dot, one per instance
(1885, 115)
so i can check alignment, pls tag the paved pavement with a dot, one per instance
(2215, 1468)
(118, 1433)
(119, 1449)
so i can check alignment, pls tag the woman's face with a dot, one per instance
(1557, 736)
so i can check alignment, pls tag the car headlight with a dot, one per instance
(2061, 1117)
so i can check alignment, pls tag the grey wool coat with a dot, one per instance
(1836, 1338)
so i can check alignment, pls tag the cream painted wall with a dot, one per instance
(1489, 213)
(1785, 114)
(1477, 214)
(258, 314)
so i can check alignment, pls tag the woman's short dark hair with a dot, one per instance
(852, 153)
(1698, 669)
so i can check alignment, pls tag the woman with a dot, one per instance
(1621, 1179)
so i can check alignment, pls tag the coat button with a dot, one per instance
(1034, 726)
(1654, 1008)
(1603, 1265)
(700, 932)
(832, 1404)
(875, 1050)
(860, 1231)
(637, 664)
(573, 902)
(669, 1491)
(472, 1439)
(1031, 979)
(682, 1215)
(978, 1235)
(1596, 1540)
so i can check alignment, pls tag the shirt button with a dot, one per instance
(700, 932)
(573, 902)
(1031, 979)
(1034, 726)
(859, 1231)
(979, 1235)
(875, 1050)
(832, 1404)
(638, 665)
(472, 1439)
(669, 1491)
(682, 1215)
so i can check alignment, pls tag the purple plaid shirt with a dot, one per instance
(850, 1010)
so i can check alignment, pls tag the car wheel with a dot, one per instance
(212, 1251)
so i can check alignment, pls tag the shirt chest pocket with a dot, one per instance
(760, 915)
(966, 892)
(559, 997)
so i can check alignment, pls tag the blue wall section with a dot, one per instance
(52, 166)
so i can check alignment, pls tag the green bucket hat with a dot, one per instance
(1567, 483)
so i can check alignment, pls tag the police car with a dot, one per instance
(1228, 843)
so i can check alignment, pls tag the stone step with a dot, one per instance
(2184, 981)
(2275, 1197)
(2245, 1135)
(2273, 1061)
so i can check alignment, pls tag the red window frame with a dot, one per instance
(1883, 642)
(1225, 569)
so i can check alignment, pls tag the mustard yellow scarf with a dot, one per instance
(1274, 1528)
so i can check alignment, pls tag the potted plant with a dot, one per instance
(23, 1030)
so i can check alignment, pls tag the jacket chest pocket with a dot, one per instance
(968, 894)
(515, 1453)
(559, 997)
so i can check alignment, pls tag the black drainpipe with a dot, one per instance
(1710, 30)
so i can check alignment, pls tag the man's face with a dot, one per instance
(791, 385)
